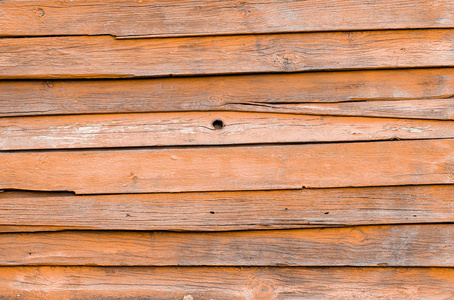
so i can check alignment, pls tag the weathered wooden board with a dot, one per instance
(104, 56)
(397, 245)
(228, 210)
(225, 283)
(231, 168)
(247, 92)
(205, 128)
(415, 109)
(190, 17)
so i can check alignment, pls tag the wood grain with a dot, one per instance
(398, 245)
(428, 87)
(225, 283)
(200, 128)
(190, 17)
(228, 210)
(415, 109)
(230, 168)
(106, 57)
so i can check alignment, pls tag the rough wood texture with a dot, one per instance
(228, 210)
(106, 57)
(191, 17)
(398, 245)
(211, 128)
(230, 168)
(415, 109)
(57, 283)
(428, 87)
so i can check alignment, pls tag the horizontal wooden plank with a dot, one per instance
(210, 128)
(415, 109)
(427, 87)
(106, 57)
(225, 283)
(190, 17)
(230, 168)
(228, 210)
(397, 245)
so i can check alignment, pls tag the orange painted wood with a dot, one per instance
(106, 57)
(225, 283)
(228, 210)
(294, 93)
(189, 17)
(398, 245)
(200, 128)
(416, 109)
(230, 168)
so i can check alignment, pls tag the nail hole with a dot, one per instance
(218, 124)
(327, 213)
(212, 212)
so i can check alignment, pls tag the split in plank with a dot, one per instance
(205, 128)
(55, 283)
(106, 57)
(227, 210)
(293, 93)
(231, 168)
(163, 18)
(396, 245)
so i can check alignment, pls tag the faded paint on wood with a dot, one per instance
(231, 168)
(106, 57)
(294, 93)
(398, 245)
(228, 210)
(200, 128)
(190, 17)
(226, 283)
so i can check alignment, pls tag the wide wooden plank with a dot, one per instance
(225, 283)
(246, 92)
(397, 245)
(190, 17)
(230, 168)
(210, 128)
(104, 56)
(228, 210)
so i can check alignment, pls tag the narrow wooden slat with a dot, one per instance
(240, 92)
(397, 245)
(230, 168)
(104, 56)
(415, 109)
(190, 17)
(199, 128)
(228, 210)
(225, 283)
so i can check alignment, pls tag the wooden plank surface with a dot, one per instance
(248, 92)
(228, 210)
(231, 168)
(210, 128)
(190, 17)
(415, 109)
(225, 283)
(397, 245)
(106, 57)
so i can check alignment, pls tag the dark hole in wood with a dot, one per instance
(218, 124)
(212, 212)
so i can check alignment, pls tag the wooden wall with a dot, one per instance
(226, 149)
